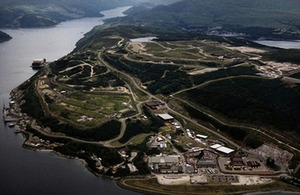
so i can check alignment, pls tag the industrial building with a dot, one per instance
(222, 149)
(165, 164)
(166, 117)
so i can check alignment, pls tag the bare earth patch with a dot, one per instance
(246, 49)
(205, 70)
(173, 179)
(252, 180)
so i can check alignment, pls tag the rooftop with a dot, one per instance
(221, 148)
(215, 146)
(163, 159)
(201, 136)
(225, 150)
(165, 116)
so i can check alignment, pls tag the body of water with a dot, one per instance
(281, 44)
(24, 171)
(143, 39)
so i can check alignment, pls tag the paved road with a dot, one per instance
(151, 96)
(217, 80)
(188, 119)
(33, 125)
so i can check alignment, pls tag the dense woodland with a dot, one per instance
(261, 102)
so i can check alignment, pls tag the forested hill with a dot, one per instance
(148, 5)
(4, 37)
(39, 13)
(259, 18)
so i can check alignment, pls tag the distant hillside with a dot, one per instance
(4, 37)
(148, 5)
(39, 13)
(258, 18)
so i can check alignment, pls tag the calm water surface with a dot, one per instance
(23, 171)
(143, 39)
(281, 44)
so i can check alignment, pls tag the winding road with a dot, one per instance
(162, 101)
(151, 96)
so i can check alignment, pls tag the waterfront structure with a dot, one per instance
(38, 63)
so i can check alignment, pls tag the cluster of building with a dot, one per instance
(197, 137)
(197, 158)
(127, 163)
(37, 143)
(240, 162)
(158, 142)
(156, 107)
(165, 164)
(128, 157)
(208, 159)
(98, 163)
(280, 156)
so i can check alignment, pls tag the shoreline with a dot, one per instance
(275, 191)
(82, 161)
(167, 189)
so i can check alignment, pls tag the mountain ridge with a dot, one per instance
(262, 18)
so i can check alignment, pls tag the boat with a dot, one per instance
(38, 63)
(11, 125)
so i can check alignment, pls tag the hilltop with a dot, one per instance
(140, 8)
(276, 19)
